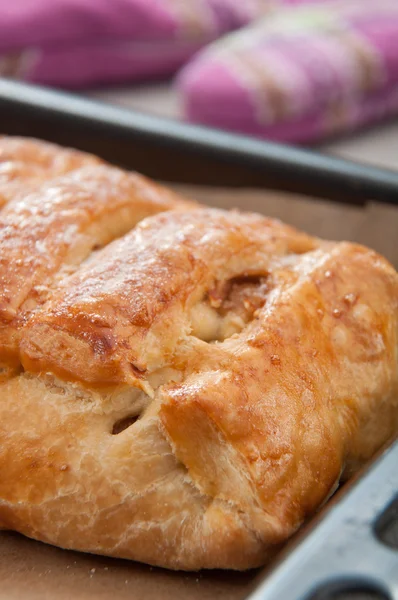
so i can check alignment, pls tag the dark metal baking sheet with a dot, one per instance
(173, 151)
(351, 550)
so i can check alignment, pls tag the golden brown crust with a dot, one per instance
(319, 363)
(93, 331)
(195, 389)
(46, 234)
(25, 164)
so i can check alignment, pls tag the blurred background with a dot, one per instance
(320, 73)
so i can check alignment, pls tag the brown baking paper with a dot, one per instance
(32, 571)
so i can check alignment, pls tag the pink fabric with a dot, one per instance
(300, 76)
(76, 43)
(305, 68)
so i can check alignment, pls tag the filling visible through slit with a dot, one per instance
(123, 424)
(132, 404)
(228, 307)
(127, 406)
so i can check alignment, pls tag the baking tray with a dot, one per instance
(173, 151)
(350, 550)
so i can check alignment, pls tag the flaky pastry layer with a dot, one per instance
(190, 392)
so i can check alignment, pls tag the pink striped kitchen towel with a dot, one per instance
(75, 43)
(300, 74)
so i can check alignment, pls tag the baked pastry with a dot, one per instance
(26, 163)
(195, 389)
(53, 224)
